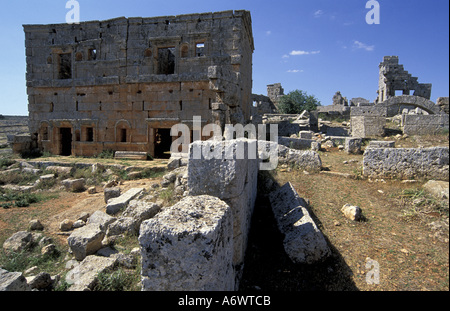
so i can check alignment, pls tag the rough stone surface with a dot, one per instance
(86, 240)
(116, 204)
(18, 241)
(231, 177)
(407, 163)
(189, 247)
(425, 124)
(352, 212)
(439, 189)
(111, 193)
(305, 160)
(84, 275)
(102, 219)
(353, 145)
(13, 282)
(74, 185)
(303, 240)
(381, 144)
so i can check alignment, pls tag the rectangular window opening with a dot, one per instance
(166, 61)
(65, 66)
(90, 134)
(200, 49)
(92, 54)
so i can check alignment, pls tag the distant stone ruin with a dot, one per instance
(393, 77)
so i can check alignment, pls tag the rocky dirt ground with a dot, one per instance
(404, 229)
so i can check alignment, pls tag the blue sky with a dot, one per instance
(318, 46)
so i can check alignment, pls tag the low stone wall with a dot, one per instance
(407, 163)
(424, 124)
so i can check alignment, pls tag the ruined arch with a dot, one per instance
(394, 104)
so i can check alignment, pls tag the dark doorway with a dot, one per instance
(66, 141)
(163, 142)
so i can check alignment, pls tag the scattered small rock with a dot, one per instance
(352, 212)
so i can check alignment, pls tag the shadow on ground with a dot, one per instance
(268, 267)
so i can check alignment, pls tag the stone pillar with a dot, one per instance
(227, 170)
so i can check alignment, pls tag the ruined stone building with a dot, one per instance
(393, 77)
(121, 84)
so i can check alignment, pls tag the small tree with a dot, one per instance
(297, 101)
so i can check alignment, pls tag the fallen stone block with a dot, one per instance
(86, 241)
(189, 247)
(83, 277)
(13, 282)
(102, 219)
(439, 189)
(352, 212)
(303, 241)
(18, 241)
(116, 204)
(111, 193)
(352, 145)
(74, 185)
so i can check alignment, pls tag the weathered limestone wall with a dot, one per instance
(113, 84)
(407, 163)
(424, 124)
(368, 121)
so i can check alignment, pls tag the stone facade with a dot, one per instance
(121, 84)
(393, 77)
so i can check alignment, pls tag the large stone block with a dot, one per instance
(115, 205)
(303, 240)
(86, 240)
(231, 176)
(189, 247)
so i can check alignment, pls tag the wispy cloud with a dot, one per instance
(359, 45)
(318, 13)
(294, 71)
(268, 32)
(297, 53)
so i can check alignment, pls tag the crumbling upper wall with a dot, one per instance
(393, 77)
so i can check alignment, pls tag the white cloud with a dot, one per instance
(285, 56)
(359, 45)
(294, 71)
(296, 53)
(318, 13)
(268, 32)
